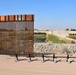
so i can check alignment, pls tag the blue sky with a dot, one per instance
(49, 14)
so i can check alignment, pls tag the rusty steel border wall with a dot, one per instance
(16, 34)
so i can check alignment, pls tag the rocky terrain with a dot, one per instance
(55, 48)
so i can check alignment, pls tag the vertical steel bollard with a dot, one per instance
(67, 58)
(53, 57)
(29, 60)
(16, 57)
(42, 57)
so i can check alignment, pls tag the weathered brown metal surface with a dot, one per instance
(16, 35)
(7, 18)
(12, 18)
(28, 17)
(2, 18)
(17, 18)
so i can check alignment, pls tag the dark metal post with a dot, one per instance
(29, 58)
(16, 56)
(42, 57)
(67, 58)
(53, 57)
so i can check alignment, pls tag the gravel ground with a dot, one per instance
(54, 48)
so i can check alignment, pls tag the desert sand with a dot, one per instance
(8, 66)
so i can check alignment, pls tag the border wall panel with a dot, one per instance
(7, 18)
(12, 18)
(2, 18)
(28, 17)
(16, 34)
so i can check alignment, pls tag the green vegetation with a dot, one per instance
(55, 39)
(72, 37)
(39, 37)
